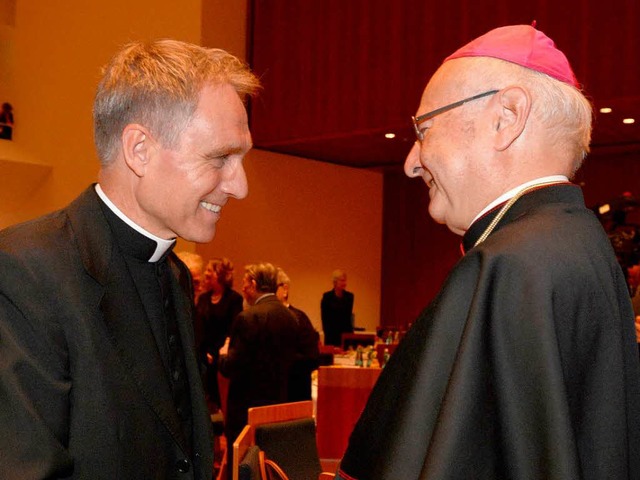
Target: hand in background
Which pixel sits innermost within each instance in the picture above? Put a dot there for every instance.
(225, 348)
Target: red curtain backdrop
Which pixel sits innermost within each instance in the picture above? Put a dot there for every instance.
(336, 71)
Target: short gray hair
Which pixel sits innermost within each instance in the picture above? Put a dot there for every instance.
(562, 109)
(265, 276)
(158, 84)
(337, 274)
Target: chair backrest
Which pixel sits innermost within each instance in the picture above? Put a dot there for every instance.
(292, 445)
(279, 412)
(287, 435)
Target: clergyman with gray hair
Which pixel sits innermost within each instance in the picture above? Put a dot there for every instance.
(525, 364)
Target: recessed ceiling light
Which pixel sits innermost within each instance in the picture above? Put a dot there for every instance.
(629, 121)
(604, 209)
(389, 135)
(605, 110)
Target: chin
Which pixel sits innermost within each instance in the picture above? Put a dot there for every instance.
(437, 216)
(199, 236)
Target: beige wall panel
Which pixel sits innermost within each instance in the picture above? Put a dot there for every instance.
(309, 218)
(59, 48)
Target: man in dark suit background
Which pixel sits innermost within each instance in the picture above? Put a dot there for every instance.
(336, 309)
(99, 378)
(261, 350)
(308, 353)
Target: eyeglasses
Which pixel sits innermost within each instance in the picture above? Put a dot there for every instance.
(428, 116)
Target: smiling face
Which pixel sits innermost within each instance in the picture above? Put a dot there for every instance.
(183, 189)
(450, 158)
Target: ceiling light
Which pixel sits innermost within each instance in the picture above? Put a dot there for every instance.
(389, 135)
(629, 121)
(605, 110)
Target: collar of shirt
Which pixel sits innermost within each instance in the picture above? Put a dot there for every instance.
(162, 245)
(506, 196)
(264, 296)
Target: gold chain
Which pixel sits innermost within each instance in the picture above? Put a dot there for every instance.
(506, 208)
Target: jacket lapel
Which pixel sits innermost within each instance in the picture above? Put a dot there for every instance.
(122, 309)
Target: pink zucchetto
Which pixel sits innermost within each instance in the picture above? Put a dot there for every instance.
(523, 45)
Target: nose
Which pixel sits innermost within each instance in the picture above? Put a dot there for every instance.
(412, 166)
(235, 183)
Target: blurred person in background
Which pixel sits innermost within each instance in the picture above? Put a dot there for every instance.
(215, 311)
(261, 350)
(308, 353)
(195, 264)
(336, 309)
(6, 121)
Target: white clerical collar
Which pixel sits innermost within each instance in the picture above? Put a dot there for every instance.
(162, 245)
(511, 193)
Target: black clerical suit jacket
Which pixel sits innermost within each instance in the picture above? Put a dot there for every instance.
(262, 348)
(83, 390)
(524, 367)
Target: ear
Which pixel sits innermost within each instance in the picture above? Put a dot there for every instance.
(514, 105)
(137, 146)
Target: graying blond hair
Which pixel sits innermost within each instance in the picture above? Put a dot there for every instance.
(337, 274)
(158, 85)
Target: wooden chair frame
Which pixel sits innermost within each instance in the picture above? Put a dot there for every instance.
(269, 414)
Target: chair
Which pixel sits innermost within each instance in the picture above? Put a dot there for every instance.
(287, 434)
(243, 456)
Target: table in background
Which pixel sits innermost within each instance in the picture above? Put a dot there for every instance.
(342, 394)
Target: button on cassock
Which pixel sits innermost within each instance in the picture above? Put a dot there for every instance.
(182, 465)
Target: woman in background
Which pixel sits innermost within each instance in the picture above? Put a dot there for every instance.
(215, 310)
